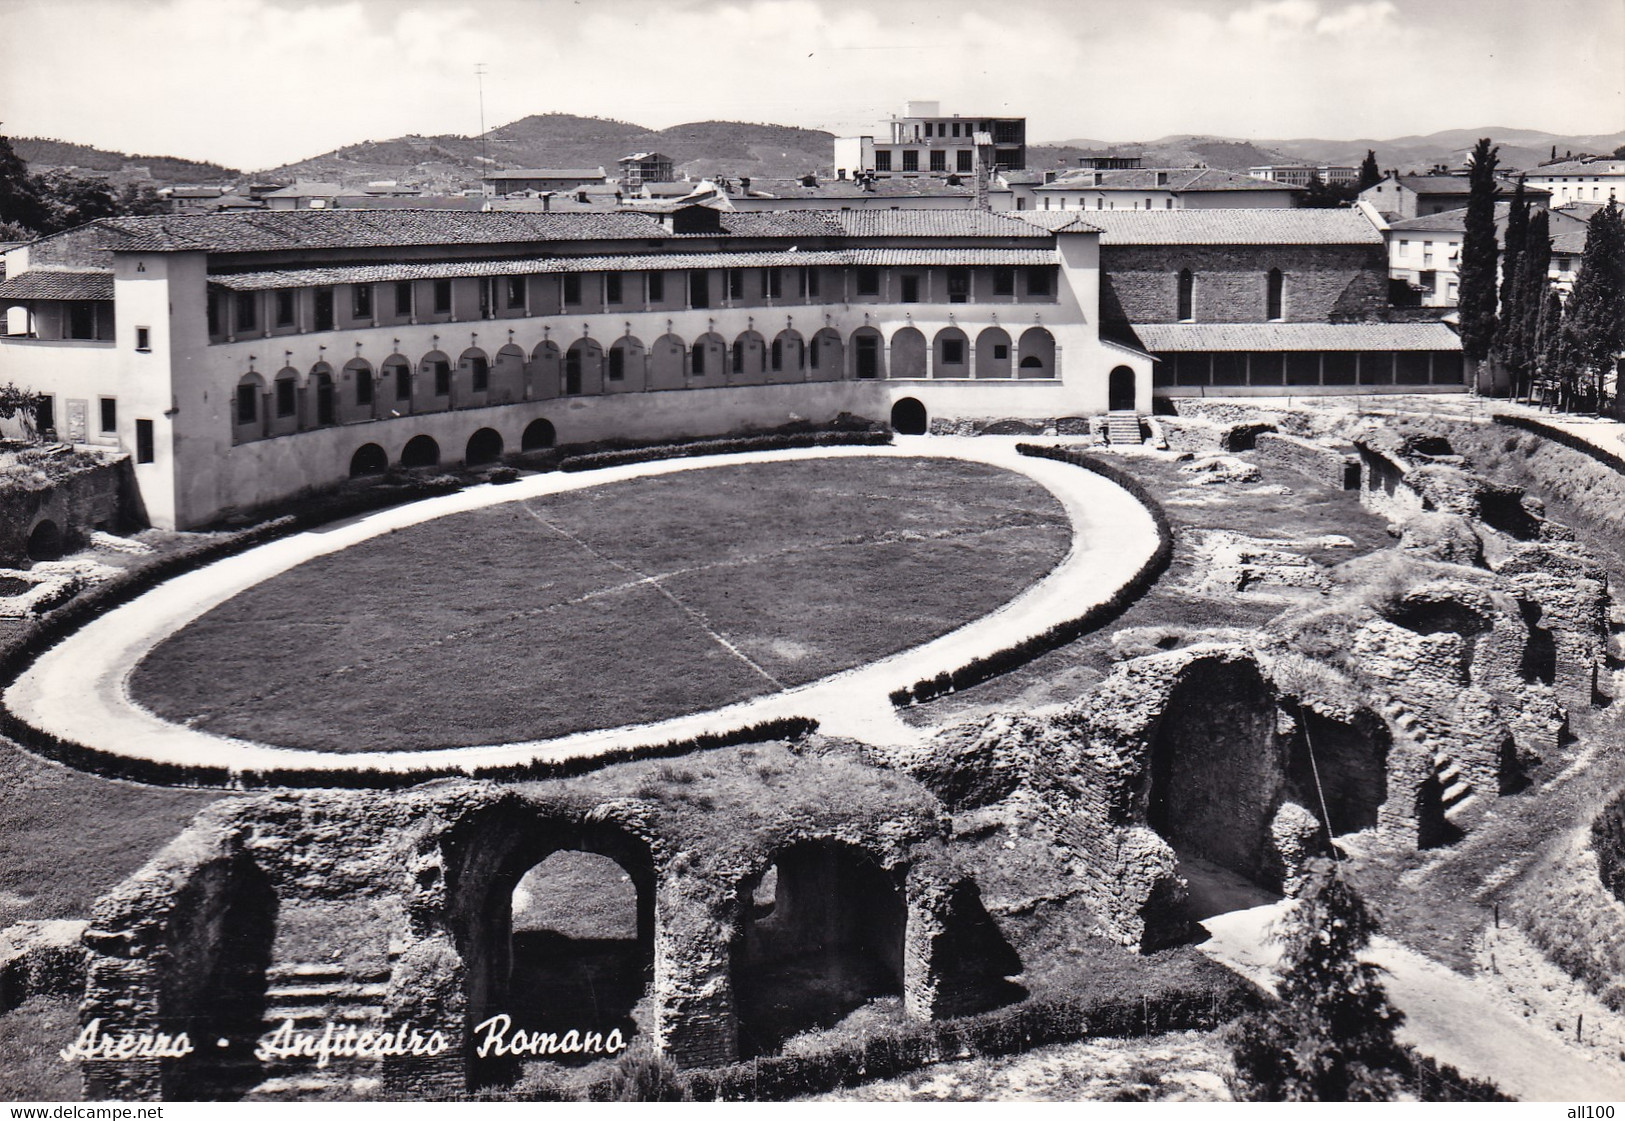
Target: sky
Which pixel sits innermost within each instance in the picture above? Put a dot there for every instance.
(257, 83)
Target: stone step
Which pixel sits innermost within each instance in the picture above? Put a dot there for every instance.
(1456, 795)
(332, 992)
(1447, 775)
(304, 1016)
(1454, 810)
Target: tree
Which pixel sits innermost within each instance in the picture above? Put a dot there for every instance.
(1512, 249)
(72, 200)
(1331, 1036)
(1533, 284)
(19, 197)
(1324, 196)
(136, 201)
(1594, 318)
(1551, 365)
(1478, 253)
(1370, 173)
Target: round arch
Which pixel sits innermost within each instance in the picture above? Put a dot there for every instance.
(1120, 390)
(507, 376)
(546, 370)
(908, 417)
(868, 354)
(248, 409)
(474, 372)
(749, 358)
(583, 368)
(538, 434)
(395, 384)
(484, 446)
(707, 358)
(369, 459)
(285, 401)
(993, 353)
(1035, 357)
(357, 399)
(626, 366)
(787, 356)
(950, 354)
(421, 451)
(826, 357)
(667, 362)
(907, 354)
(435, 386)
(325, 411)
(45, 541)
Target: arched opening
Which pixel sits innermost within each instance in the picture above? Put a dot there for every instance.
(395, 382)
(359, 399)
(1120, 390)
(820, 934)
(624, 368)
(826, 357)
(908, 417)
(485, 446)
(1345, 763)
(907, 354)
(420, 451)
(1036, 354)
(1185, 299)
(321, 377)
(474, 366)
(706, 358)
(369, 459)
(1215, 768)
(246, 409)
(787, 357)
(538, 434)
(45, 542)
(749, 359)
(867, 361)
(668, 362)
(285, 401)
(583, 368)
(1275, 288)
(507, 376)
(993, 353)
(546, 364)
(435, 389)
(951, 354)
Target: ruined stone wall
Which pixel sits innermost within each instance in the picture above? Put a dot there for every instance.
(94, 498)
(1338, 468)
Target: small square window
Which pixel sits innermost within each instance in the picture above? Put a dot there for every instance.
(953, 352)
(1001, 352)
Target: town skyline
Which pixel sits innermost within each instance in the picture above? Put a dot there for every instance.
(354, 70)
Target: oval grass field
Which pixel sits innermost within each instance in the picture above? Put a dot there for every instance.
(614, 605)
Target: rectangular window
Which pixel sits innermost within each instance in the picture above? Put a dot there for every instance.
(143, 338)
(144, 445)
(939, 159)
(284, 397)
(868, 282)
(516, 292)
(699, 289)
(882, 161)
(361, 301)
(812, 353)
(572, 288)
(696, 360)
(953, 352)
(1038, 280)
(363, 387)
(911, 159)
(248, 304)
(657, 287)
(775, 355)
(442, 377)
(403, 297)
(965, 158)
(479, 373)
(109, 416)
(774, 284)
(248, 404)
(612, 287)
(284, 307)
(911, 290)
(617, 363)
(403, 383)
(442, 297)
(1004, 282)
(324, 309)
(736, 284)
(1001, 352)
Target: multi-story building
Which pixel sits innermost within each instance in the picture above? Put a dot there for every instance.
(245, 358)
(646, 167)
(1592, 179)
(1300, 175)
(1417, 196)
(1262, 303)
(536, 180)
(925, 142)
(1149, 188)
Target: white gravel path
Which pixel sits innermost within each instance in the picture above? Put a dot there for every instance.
(79, 690)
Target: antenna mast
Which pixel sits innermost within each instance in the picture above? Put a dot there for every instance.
(485, 145)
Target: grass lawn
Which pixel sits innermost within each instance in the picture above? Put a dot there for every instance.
(608, 606)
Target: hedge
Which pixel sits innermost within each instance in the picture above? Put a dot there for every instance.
(724, 446)
(1065, 631)
(1560, 436)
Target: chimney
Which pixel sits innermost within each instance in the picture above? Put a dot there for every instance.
(744, 184)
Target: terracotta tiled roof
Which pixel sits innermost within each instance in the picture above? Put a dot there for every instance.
(929, 223)
(1174, 179)
(628, 262)
(546, 173)
(1227, 226)
(55, 284)
(1163, 338)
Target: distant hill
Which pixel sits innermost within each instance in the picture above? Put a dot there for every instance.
(1169, 151)
(41, 154)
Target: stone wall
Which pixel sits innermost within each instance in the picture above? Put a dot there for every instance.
(98, 497)
(1139, 283)
(1335, 467)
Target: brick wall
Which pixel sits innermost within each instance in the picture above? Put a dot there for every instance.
(1140, 283)
(1337, 468)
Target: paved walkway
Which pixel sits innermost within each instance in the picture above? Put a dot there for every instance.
(79, 690)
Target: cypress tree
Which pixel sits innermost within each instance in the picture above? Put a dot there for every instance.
(1550, 364)
(1533, 284)
(1512, 247)
(1370, 173)
(1331, 1037)
(20, 203)
(1478, 253)
(1594, 318)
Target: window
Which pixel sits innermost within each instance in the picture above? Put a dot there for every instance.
(143, 338)
(911, 290)
(1272, 296)
(965, 158)
(773, 283)
(657, 287)
(699, 289)
(1038, 280)
(1184, 299)
(284, 397)
(572, 288)
(812, 353)
(479, 373)
(403, 297)
(617, 364)
(324, 309)
(612, 287)
(442, 297)
(939, 160)
(1001, 352)
(953, 352)
(739, 356)
(696, 360)
(736, 284)
(248, 304)
(868, 281)
(403, 382)
(361, 301)
(144, 442)
(776, 356)
(284, 307)
(248, 404)
(442, 377)
(109, 415)
(1004, 282)
(882, 161)
(911, 160)
(363, 387)
(958, 285)
(516, 292)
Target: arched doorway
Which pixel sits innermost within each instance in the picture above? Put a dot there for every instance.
(538, 434)
(420, 451)
(485, 446)
(908, 417)
(867, 361)
(820, 934)
(369, 459)
(1120, 390)
(45, 542)
(908, 349)
(1036, 354)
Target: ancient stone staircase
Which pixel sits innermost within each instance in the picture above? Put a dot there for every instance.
(312, 995)
(1123, 428)
(1457, 795)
